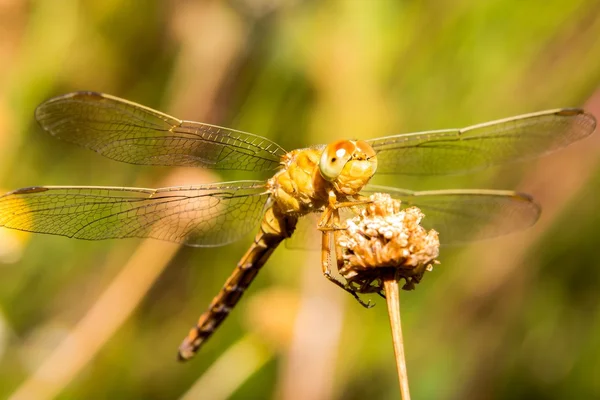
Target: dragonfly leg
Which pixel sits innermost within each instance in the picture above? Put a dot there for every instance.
(336, 235)
(353, 203)
(325, 265)
(325, 220)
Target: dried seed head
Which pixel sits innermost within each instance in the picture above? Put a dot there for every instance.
(384, 239)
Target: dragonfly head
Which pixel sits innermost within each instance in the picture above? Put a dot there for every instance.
(348, 165)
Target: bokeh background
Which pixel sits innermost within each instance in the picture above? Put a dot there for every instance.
(515, 317)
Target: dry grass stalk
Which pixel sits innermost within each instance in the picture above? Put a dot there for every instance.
(393, 302)
(381, 246)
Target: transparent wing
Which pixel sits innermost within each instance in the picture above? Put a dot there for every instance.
(132, 133)
(467, 215)
(205, 215)
(306, 236)
(480, 146)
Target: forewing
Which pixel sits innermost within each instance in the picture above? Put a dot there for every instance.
(462, 216)
(480, 146)
(204, 215)
(132, 133)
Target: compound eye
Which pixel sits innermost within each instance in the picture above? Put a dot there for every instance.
(334, 157)
(365, 148)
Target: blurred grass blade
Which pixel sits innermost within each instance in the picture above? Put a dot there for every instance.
(109, 312)
(229, 372)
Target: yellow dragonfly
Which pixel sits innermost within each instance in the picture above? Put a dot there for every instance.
(322, 178)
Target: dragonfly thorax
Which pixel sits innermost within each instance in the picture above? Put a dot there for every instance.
(308, 175)
(348, 165)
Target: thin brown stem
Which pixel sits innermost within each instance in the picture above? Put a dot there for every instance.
(393, 303)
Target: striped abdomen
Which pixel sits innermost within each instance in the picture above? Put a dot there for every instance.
(274, 228)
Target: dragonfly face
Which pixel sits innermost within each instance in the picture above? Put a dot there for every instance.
(348, 165)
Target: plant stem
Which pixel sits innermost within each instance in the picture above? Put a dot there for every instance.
(393, 303)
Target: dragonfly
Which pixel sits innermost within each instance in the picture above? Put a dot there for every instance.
(318, 180)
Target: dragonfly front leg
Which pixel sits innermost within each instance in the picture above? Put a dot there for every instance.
(327, 270)
(324, 226)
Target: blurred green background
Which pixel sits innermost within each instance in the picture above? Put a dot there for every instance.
(515, 317)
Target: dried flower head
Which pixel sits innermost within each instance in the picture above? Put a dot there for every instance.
(384, 240)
